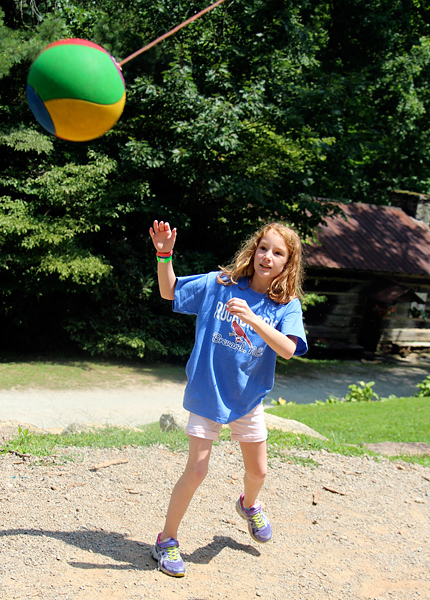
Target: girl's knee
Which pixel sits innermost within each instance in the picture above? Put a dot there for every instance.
(256, 472)
(255, 460)
(196, 473)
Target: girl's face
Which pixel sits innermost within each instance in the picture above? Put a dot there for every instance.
(270, 259)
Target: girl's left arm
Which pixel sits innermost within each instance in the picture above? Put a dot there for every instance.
(284, 345)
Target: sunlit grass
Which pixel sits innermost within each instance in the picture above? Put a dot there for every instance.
(393, 420)
(280, 444)
(31, 444)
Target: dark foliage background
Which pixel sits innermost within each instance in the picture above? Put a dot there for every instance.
(249, 114)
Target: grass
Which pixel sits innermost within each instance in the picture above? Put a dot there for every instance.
(30, 444)
(346, 425)
(312, 367)
(81, 373)
(393, 419)
(306, 367)
(50, 445)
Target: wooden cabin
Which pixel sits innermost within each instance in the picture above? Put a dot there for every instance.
(372, 264)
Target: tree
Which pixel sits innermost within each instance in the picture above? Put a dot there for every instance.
(371, 96)
(248, 114)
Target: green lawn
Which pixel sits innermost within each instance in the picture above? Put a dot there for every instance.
(394, 420)
(306, 366)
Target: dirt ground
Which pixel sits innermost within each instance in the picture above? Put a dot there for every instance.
(350, 528)
(346, 528)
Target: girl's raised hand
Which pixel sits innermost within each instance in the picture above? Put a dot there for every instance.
(162, 236)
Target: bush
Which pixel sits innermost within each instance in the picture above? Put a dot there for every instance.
(424, 387)
(364, 393)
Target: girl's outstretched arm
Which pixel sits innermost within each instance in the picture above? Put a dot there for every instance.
(164, 239)
(284, 345)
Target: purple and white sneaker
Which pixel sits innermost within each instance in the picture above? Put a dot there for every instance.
(168, 557)
(258, 525)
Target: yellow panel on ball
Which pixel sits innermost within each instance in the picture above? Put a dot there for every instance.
(80, 121)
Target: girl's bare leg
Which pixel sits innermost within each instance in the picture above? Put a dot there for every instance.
(255, 462)
(195, 472)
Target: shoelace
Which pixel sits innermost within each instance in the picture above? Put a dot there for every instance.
(258, 520)
(173, 553)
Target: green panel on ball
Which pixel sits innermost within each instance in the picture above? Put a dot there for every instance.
(76, 71)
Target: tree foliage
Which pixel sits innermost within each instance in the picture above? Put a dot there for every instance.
(249, 114)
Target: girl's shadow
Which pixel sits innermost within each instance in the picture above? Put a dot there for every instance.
(127, 554)
(204, 555)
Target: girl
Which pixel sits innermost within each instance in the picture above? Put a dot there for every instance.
(246, 314)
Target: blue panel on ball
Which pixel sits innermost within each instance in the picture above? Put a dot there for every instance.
(39, 110)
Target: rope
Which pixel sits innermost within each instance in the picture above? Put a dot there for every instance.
(171, 32)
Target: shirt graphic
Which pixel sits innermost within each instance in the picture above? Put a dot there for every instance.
(239, 333)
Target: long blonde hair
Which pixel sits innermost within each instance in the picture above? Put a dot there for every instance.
(288, 284)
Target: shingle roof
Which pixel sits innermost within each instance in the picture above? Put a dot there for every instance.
(372, 238)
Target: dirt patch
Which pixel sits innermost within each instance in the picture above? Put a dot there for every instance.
(399, 448)
(350, 528)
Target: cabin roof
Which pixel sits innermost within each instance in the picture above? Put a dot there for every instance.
(372, 238)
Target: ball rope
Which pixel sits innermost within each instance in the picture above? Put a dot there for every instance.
(171, 32)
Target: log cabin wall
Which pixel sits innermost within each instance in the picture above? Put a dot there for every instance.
(351, 321)
(337, 322)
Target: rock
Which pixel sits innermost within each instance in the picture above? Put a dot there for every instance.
(173, 419)
(54, 430)
(399, 448)
(75, 428)
(12, 427)
(274, 422)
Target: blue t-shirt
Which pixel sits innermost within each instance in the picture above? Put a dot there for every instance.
(231, 368)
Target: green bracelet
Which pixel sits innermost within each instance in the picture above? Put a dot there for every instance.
(164, 259)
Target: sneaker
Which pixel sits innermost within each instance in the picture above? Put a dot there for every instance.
(168, 557)
(258, 525)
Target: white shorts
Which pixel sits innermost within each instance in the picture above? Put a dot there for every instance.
(250, 428)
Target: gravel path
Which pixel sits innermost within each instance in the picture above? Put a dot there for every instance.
(352, 528)
(399, 378)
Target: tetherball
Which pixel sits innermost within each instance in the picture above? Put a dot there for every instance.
(76, 90)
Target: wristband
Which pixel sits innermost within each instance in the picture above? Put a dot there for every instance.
(164, 257)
